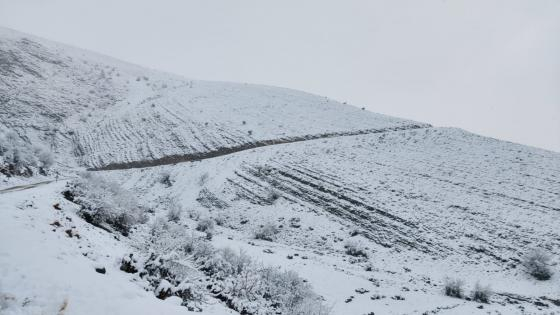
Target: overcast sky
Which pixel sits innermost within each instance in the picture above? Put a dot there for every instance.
(491, 67)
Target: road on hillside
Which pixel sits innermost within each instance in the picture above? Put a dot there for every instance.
(24, 187)
(29, 186)
(197, 156)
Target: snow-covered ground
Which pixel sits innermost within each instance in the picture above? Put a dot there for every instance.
(429, 204)
(422, 203)
(48, 261)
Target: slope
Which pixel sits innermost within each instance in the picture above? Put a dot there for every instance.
(98, 111)
(425, 204)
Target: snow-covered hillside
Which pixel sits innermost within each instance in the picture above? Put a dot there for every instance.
(103, 111)
(229, 198)
(428, 204)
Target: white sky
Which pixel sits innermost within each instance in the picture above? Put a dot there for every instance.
(488, 66)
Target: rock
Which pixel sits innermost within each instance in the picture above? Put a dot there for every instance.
(128, 264)
(377, 297)
(100, 270)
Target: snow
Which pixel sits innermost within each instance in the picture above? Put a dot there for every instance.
(425, 203)
(42, 269)
(430, 204)
(103, 111)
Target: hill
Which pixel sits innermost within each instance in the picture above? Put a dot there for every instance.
(171, 195)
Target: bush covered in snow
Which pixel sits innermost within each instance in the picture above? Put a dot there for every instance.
(167, 279)
(454, 287)
(537, 263)
(19, 158)
(105, 204)
(246, 285)
(232, 276)
(267, 232)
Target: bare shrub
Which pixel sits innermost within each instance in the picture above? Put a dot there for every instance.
(267, 232)
(174, 211)
(272, 195)
(205, 225)
(220, 219)
(165, 179)
(355, 249)
(537, 264)
(454, 287)
(481, 293)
